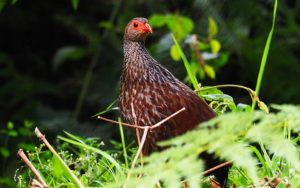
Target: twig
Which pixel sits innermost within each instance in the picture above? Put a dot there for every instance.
(210, 170)
(32, 168)
(216, 167)
(137, 133)
(146, 129)
(167, 118)
(139, 150)
(140, 127)
(115, 122)
(36, 184)
(43, 138)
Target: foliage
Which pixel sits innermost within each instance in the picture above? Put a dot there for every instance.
(60, 62)
(232, 139)
(202, 62)
(265, 55)
(21, 136)
(83, 156)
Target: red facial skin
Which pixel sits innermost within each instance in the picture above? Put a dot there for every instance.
(141, 27)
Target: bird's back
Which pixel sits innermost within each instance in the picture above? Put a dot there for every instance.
(156, 94)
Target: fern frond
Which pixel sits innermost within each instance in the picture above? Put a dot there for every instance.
(229, 137)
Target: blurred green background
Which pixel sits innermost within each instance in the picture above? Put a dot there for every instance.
(60, 61)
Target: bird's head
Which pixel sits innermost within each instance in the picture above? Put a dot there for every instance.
(137, 29)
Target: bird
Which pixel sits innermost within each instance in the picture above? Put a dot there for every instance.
(155, 93)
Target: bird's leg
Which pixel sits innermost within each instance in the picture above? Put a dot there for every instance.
(137, 133)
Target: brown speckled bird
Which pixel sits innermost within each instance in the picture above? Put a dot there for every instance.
(156, 94)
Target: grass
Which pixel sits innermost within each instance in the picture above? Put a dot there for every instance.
(265, 55)
(98, 168)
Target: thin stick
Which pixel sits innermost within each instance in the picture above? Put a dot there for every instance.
(210, 170)
(43, 138)
(36, 184)
(115, 122)
(140, 127)
(216, 167)
(32, 168)
(166, 119)
(137, 133)
(139, 150)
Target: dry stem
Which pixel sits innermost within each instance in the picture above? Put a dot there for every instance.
(211, 169)
(137, 133)
(43, 138)
(139, 150)
(141, 127)
(32, 168)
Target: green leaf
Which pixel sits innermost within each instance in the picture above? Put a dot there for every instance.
(175, 54)
(26, 146)
(75, 4)
(109, 108)
(2, 4)
(67, 53)
(210, 71)
(58, 168)
(96, 150)
(215, 46)
(186, 64)
(28, 124)
(25, 132)
(4, 152)
(14, 2)
(7, 181)
(179, 25)
(261, 159)
(209, 91)
(74, 137)
(243, 108)
(281, 185)
(12, 133)
(123, 143)
(106, 24)
(157, 20)
(212, 28)
(10, 125)
(265, 55)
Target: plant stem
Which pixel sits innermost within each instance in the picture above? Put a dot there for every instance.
(43, 138)
(123, 143)
(265, 55)
(32, 168)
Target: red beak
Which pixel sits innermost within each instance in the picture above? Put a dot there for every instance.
(147, 28)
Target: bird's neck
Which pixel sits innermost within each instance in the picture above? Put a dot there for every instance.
(137, 61)
(135, 51)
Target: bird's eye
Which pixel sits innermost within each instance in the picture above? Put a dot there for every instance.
(135, 24)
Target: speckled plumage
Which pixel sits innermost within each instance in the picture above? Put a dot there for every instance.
(156, 94)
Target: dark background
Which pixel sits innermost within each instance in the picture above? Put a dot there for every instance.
(37, 84)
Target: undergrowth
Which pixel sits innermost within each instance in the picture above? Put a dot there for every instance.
(275, 155)
(264, 148)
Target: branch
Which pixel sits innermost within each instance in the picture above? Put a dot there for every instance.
(32, 168)
(43, 138)
(144, 127)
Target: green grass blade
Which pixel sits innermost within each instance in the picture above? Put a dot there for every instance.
(123, 143)
(265, 55)
(261, 159)
(96, 150)
(109, 108)
(186, 64)
(77, 138)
